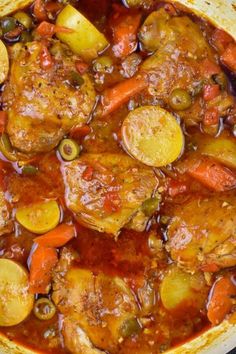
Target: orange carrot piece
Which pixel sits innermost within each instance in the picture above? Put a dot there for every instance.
(211, 116)
(125, 28)
(229, 57)
(3, 121)
(210, 267)
(210, 92)
(221, 39)
(212, 174)
(116, 96)
(47, 29)
(220, 302)
(43, 261)
(39, 10)
(57, 237)
(80, 132)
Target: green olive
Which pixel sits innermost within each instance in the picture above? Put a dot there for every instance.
(29, 170)
(8, 24)
(25, 37)
(76, 79)
(69, 149)
(130, 327)
(24, 19)
(150, 206)
(44, 309)
(103, 65)
(180, 99)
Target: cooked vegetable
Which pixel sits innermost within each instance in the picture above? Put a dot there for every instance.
(43, 260)
(222, 149)
(103, 64)
(69, 149)
(114, 97)
(29, 170)
(15, 302)
(150, 206)
(212, 174)
(4, 62)
(229, 57)
(24, 19)
(180, 99)
(181, 289)
(7, 24)
(47, 29)
(211, 117)
(76, 80)
(40, 10)
(152, 136)
(210, 92)
(57, 237)
(44, 309)
(130, 327)
(7, 7)
(39, 218)
(86, 40)
(221, 300)
(124, 29)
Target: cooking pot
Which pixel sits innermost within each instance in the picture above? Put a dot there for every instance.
(217, 340)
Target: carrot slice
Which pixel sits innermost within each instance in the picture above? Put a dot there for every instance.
(220, 302)
(43, 261)
(116, 96)
(229, 57)
(125, 28)
(212, 174)
(57, 237)
(210, 92)
(39, 10)
(47, 29)
(221, 39)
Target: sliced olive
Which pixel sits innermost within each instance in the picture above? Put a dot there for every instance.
(150, 206)
(8, 24)
(180, 99)
(69, 149)
(29, 170)
(130, 327)
(76, 79)
(24, 19)
(103, 65)
(44, 309)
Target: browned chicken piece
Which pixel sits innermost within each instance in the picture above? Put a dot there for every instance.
(181, 56)
(43, 104)
(106, 190)
(6, 224)
(96, 307)
(202, 233)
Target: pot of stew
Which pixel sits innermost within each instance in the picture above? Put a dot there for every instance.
(117, 176)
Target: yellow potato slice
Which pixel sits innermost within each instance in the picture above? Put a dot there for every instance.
(39, 218)
(9, 6)
(4, 62)
(86, 40)
(16, 302)
(180, 288)
(152, 136)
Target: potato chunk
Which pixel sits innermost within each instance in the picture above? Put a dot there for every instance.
(203, 231)
(106, 190)
(99, 304)
(43, 104)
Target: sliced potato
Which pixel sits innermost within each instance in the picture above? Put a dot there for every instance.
(85, 39)
(4, 62)
(180, 288)
(152, 136)
(7, 6)
(39, 218)
(222, 149)
(16, 302)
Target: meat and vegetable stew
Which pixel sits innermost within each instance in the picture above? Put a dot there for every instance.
(117, 178)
